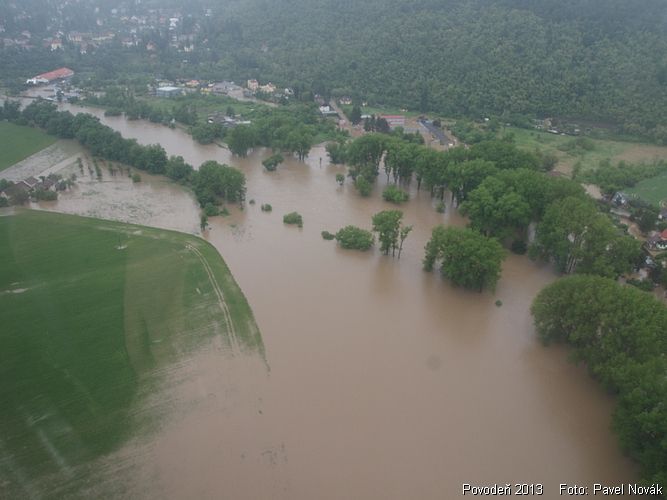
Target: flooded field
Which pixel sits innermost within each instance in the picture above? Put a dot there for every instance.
(381, 381)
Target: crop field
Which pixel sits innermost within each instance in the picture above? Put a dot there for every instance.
(18, 142)
(91, 311)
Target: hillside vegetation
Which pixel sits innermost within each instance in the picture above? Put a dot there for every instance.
(600, 59)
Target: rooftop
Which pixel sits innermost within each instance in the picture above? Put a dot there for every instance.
(56, 74)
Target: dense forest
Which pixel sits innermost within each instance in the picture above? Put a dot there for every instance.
(600, 60)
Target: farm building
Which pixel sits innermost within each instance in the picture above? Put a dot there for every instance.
(395, 120)
(51, 76)
(169, 92)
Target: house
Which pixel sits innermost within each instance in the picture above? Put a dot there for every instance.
(657, 241)
(345, 101)
(663, 214)
(169, 92)
(327, 111)
(222, 87)
(269, 88)
(27, 184)
(395, 120)
(46, 185)
(55, 44)
(253, 85)
(51, 76)
(620, 199)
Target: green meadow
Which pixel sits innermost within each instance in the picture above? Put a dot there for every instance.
(18, 142)
(568, 154)
(653, 190)
(90, 311)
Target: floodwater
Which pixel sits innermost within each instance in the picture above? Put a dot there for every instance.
(383, 382)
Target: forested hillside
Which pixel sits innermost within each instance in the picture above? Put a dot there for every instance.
(593, 60)
(597, 59)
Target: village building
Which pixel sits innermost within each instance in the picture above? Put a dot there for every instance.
(223, 87)
(253, 85)
(620, 199)
(51, 76)
(269, 88)
(169, 92)
(395, 120)
(657, 241)
(326, 110)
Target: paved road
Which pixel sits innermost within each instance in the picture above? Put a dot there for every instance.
(435, 132)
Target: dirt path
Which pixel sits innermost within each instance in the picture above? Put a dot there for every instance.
(221, 299)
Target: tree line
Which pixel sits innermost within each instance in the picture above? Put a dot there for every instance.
(620, 334)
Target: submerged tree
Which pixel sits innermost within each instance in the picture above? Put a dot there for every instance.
(468, 258)
(388, 226)
(355, 238)
(580, 238)
(272, 162)
(405, 231)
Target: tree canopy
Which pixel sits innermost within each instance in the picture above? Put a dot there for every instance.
(620, 333)
(580, 238)
(468, 258)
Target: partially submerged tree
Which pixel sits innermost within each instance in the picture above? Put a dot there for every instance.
(355, 238)
(468, 258)
(272, 162)
(581, 239)
(388, 226)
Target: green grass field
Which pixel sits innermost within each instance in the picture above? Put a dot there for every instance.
(92, 312)
(209, 104)
(631, 152)
(372, 110)
(653, 190)
(17, 143)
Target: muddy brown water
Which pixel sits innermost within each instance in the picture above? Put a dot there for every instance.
(383, 382)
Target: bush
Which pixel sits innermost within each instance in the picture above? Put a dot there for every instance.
(266, 207)
(293, 218)
(354, 238)
(519, 247)
(394, 194)
(645, 285)
(327, 235)
(211, 210)
(363, 186)
(136, 177)
(272, 162)
(43, 195)
(340, 179)
(441, 207)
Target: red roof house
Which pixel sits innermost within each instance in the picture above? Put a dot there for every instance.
(56, 74)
